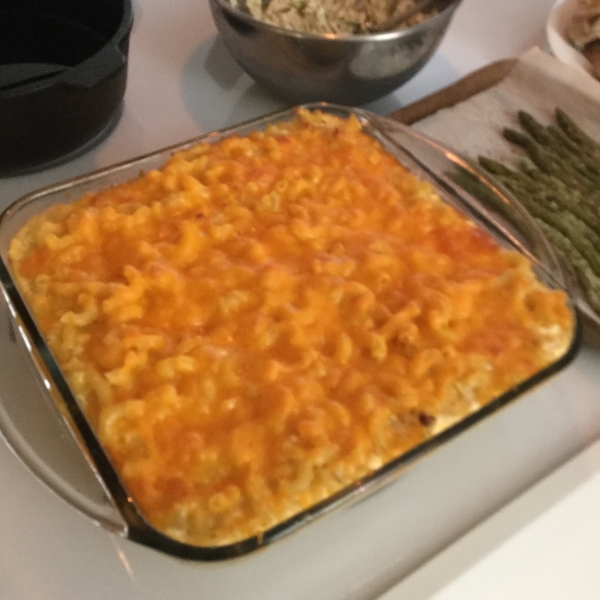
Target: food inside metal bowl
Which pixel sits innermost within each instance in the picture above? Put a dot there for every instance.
(332, 16)
(344, 68)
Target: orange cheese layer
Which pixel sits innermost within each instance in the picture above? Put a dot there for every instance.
(269, 318)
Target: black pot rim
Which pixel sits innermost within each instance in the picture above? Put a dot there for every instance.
(53, 118)
(71, 73)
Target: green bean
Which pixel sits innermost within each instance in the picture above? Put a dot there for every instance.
(589, 155)
(575, 132)
(557, 179)
(561, 152)
(547, 160)
(534, 128)
(490, 199)
(493, 166)
(567, 223)
(587, 278)
(550, 191)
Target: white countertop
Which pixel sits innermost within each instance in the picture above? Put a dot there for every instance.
(544, 544)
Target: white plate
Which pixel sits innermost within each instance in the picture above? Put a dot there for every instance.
(558, 20)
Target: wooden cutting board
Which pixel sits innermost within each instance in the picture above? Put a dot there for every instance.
(468, 86)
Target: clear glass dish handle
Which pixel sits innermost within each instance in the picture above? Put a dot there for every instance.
(37, 434)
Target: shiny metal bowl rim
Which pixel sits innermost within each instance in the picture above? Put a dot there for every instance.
(355, 38)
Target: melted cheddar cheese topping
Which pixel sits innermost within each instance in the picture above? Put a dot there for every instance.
(269, 318)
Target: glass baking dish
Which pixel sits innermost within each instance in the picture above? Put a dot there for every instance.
(457, 182)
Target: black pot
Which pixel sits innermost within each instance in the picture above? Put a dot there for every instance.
(63, 70)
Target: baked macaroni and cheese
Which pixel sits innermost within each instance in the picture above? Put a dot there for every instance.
(267, 319)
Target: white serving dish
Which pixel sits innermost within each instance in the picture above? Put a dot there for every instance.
(558, 20)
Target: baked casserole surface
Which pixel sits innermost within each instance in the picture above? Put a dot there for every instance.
(269, 318)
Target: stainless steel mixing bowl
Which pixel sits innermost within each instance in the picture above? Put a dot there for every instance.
(346, 69)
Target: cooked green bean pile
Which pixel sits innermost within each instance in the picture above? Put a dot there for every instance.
(557, 179)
